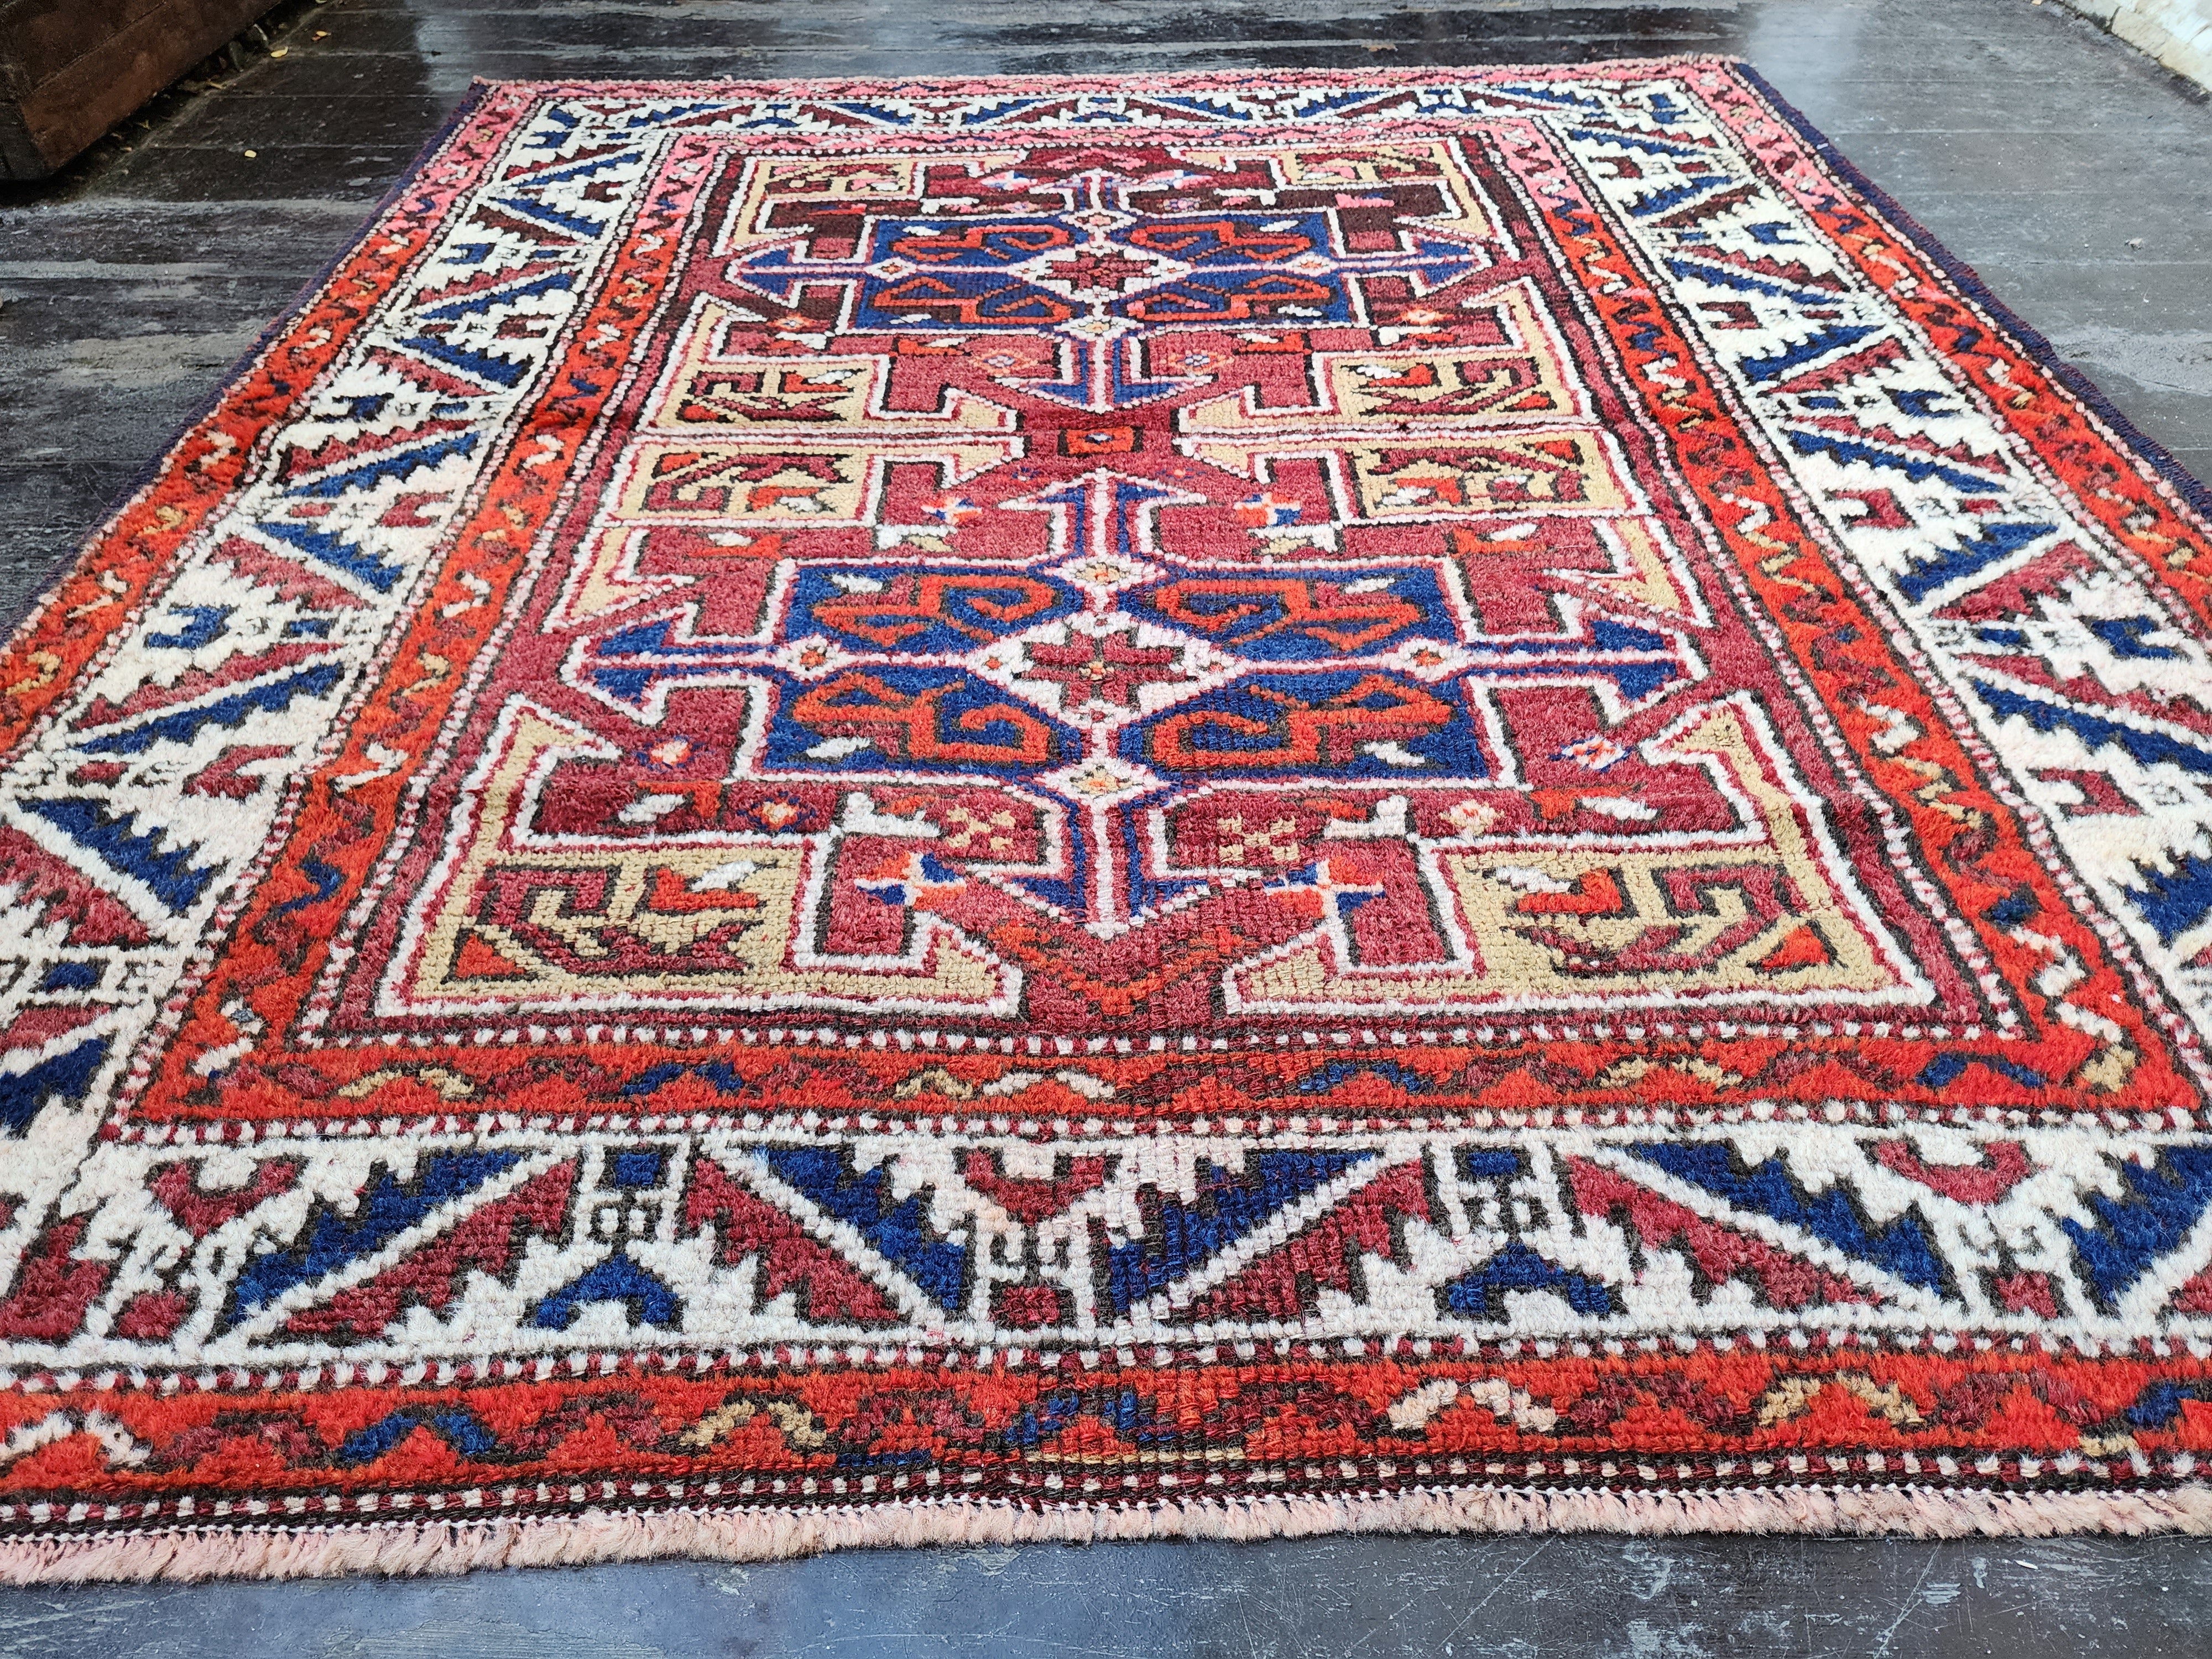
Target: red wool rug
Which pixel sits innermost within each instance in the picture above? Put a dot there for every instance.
(840, 813)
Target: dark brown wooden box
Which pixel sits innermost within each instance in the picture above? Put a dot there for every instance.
(69, 69)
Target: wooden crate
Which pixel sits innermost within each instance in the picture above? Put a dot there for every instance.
(69, 69)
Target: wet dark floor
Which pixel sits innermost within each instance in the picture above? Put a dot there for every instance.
(2074, 174)
(1509, 1598)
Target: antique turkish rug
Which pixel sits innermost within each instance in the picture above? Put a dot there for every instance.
(838, 813)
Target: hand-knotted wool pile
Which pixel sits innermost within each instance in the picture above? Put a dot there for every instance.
(850, 813)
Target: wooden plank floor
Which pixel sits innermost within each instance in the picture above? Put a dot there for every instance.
(2076, 174)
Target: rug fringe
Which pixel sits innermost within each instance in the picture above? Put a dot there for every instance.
(448, 1547)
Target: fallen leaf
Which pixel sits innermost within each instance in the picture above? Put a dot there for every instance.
(279, 51)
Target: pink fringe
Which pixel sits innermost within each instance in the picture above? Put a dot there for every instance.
(460, 1546)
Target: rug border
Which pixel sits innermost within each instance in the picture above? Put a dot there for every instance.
(188, 1554)
(2196, 494)
(89, 548)
(440, 1548)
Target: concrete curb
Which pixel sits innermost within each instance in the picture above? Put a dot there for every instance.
(2177, 33)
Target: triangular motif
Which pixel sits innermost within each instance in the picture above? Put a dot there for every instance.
(487, 1240)
(825, 1289)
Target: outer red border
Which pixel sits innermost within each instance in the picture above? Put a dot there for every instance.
(160, 509)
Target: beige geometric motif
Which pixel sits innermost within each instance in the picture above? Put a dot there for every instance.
(1768, 914)
(967, 832)
(790, 185)
(755, 439)
(1522, 378)
(1468, 213)
(1277, 844)
(1504, 472)
(705, 388)
(514, 922)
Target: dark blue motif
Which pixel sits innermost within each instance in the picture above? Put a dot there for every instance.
(1481, 1294)
(68, 1074)
(2125, 637)
(1913, 466)
(2174, 901)
(899, 1233)
(637, 1168)
(270, 697)
(459, 1428)
(617, 1279)
(202, 623)
(1180, 1237)
(718, 1073)
(531, 208)
(961, 273)
(171, 875)
(1900, 1248)
(1490, 1163)
(485, 365)
(1742, 281)
(2157, 1210)
(326, 547)
(326, 877)
(386, 1210)
(2147, 748)
(2160, 1402)
(400, 464)
(1946, 1069)
(1996, 541)
(1327, 1079)
(1835, 337)
(1128, 1414)
(558, 281)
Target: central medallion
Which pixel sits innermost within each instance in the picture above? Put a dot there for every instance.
(1143, 586)
(1094, 274)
